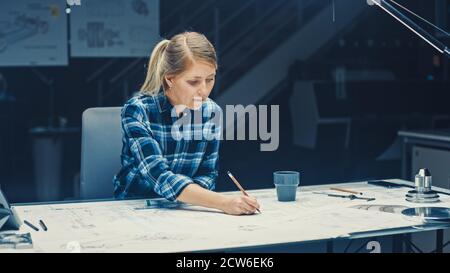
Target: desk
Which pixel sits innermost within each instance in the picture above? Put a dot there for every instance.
(127, 226)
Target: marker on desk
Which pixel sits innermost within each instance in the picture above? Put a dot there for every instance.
(30, 225)
(44, 227)
(239, 186)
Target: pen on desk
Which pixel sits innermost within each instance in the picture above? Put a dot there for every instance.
(239, 186)
(44, 227)
(344, 190)
(30, 225)
(351, 197)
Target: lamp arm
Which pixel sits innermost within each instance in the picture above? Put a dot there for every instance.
(408, 23)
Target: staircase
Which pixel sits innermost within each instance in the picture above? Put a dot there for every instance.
(309, 39)
(256, 42)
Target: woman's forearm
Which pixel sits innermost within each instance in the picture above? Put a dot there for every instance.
(196, 195)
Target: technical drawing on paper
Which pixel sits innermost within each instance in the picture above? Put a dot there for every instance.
(115, 28)
(33, 32)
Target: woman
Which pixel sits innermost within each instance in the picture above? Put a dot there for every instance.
(180, 77)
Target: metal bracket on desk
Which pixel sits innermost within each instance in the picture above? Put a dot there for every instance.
(401, 240)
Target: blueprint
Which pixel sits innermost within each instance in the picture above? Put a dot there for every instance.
(33, 32)
(114, 28)
(131, 226)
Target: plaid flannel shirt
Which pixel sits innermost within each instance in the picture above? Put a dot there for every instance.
(154, 161)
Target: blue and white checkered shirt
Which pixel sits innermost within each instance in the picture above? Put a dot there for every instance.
(154, 161)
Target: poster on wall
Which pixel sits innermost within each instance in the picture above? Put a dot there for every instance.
(33, 33)
(114, 28)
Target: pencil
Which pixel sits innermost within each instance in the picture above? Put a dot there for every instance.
(43, 225)
(344, 190)
(30, 225)
(239, 186)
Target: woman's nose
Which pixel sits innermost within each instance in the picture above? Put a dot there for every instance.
(202, 92)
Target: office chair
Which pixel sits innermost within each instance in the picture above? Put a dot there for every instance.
(101, 146)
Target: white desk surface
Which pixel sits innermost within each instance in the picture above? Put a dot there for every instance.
(127, 226)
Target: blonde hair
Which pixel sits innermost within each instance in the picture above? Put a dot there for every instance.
(171, 57)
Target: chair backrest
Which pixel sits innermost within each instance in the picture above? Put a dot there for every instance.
(101, 146)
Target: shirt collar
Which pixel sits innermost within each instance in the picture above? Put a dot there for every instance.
(162, 102)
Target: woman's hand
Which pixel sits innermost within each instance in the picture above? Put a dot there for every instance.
(238, 205)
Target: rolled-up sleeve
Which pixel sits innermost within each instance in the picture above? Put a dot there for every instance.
(149, 159)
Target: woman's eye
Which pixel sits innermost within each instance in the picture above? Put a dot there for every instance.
(193, 83)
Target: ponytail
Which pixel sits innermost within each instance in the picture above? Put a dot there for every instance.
(155, 73)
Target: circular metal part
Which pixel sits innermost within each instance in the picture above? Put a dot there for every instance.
(429, 214)
(422, 197)
(419, 181)
(423, 192)
(427, 181)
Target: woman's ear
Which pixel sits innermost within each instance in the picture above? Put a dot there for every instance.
(169, 81)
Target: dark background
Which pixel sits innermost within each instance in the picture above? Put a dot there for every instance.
(372, 42)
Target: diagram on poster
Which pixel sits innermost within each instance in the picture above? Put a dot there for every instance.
(114, 28)
(33, 32)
